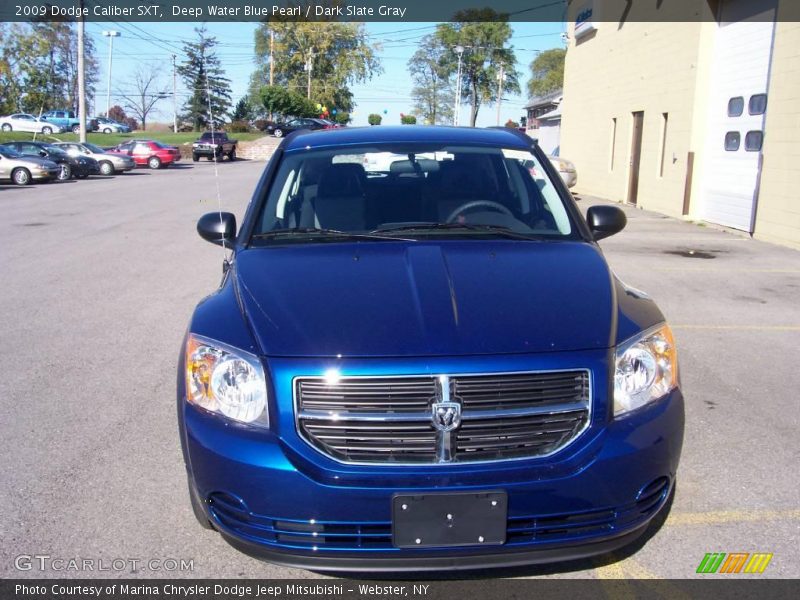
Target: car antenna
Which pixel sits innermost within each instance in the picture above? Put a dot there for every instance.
(225, 260)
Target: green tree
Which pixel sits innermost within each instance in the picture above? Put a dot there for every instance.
(279, 100)
(484, 35)
(374, 119)
(243, 111)
(339, 54)
(547, 72)
(341, 117)
(432, 76)
(38, 67)
(209, 89)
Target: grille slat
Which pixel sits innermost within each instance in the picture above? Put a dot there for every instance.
(389, 419)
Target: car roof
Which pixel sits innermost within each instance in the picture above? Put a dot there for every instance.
(381, 134)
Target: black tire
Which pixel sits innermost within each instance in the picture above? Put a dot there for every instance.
(154, 162)
(195, 157)
(6, 127)
(197, 508)
(278, 133)
(212, 157)
(47, 130)
(232, 155)
(108, 130)
(106, 168)
(76, 129)
(65, 174)
(21, 176)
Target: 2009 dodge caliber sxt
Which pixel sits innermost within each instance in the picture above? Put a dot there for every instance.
(419, 359)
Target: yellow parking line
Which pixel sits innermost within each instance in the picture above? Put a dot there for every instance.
(741, 327)
(731, 516)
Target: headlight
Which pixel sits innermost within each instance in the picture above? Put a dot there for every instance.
(646, 368)
(225, 380)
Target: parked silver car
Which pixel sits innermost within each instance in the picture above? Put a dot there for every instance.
(565, 168)
(28, 123)
(105, 125)
(23, 170)
(109, 163)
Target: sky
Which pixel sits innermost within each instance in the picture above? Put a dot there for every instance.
(154, 44)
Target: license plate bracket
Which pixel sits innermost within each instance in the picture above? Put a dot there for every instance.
(449, 519)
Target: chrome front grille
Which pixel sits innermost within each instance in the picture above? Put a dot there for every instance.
(488, 417)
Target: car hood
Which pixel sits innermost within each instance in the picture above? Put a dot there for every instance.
(424, 299)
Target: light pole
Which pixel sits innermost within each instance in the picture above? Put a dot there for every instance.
(457, 109)
(501, 76)
(309, 66)
(110, 35)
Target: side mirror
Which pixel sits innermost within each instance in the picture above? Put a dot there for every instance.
(42, 153)
(605, 221)
(218, 228)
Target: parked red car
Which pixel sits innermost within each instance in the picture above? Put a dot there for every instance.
(149, 152)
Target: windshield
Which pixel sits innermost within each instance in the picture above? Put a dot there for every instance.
(94, 149)
(411, 191)
(55, 150)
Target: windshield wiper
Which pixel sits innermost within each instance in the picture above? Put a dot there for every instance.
(329, 233)
(490, 229)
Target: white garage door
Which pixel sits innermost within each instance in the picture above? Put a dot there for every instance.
(738, 100)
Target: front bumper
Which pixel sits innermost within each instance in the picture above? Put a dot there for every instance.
(273, 496)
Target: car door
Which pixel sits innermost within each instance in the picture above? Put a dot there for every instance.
(25, 123)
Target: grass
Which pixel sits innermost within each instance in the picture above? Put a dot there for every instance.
(112, 139)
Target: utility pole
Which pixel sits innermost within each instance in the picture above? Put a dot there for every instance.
(81, 76)
(271, 57)
(174, 97)
(110, 35)
(309, 66)
(457, 108)
(500, 78)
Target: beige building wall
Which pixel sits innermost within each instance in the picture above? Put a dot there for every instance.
(778, 210)
(614, 72)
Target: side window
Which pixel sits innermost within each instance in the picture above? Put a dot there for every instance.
(732, 141)
(757, 104)
(736, 106)
(142, 148)
(753, 141)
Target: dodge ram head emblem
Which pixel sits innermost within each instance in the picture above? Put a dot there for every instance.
(446, 415)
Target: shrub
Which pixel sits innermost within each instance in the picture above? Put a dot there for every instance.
(374, 119)
(238, 127)
(512, 124)
(408, 120)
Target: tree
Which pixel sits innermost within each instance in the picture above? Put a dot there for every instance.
(547, 72)
(116, 113)
(341, 117)
(484, 34)
(433, 82)
(279, 100)
(209, 89)
(144, 93)
(374, 119)
(243, 111)
(339, 53)
(38, 67)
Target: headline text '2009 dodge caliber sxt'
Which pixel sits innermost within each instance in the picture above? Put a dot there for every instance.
(424, 362)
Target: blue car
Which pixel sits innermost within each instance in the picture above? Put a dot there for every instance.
(424, 365)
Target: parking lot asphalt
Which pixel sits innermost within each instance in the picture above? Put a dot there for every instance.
(99, 278)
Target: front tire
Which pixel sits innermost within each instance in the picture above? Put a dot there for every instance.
(154, 162)
(21, 176)
(195, 158)
(65, 174)
(278, 133)
(106, 168)
(107, 130)
(76, 129)
(47, 130)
